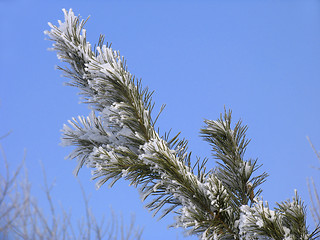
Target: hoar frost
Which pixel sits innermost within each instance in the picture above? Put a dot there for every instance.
(122, 138)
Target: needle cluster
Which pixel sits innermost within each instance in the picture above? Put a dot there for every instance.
(118, 140)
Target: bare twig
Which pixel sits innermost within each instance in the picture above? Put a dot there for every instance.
(21, 216)
(313, 192)
(315, 206)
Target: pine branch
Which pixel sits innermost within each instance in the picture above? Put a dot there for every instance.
(229, 146)
(121, 142)
(288, 221)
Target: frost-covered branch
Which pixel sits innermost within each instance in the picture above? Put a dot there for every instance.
(287, 221)
(118, 140)
(122, 141)
(229, 146)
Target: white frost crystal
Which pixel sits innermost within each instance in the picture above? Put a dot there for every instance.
(121, 142)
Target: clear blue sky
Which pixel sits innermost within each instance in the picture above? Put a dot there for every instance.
(259, 58)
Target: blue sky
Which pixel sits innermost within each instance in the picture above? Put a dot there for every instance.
(259, 58)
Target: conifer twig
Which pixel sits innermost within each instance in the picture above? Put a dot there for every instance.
(118, 140)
